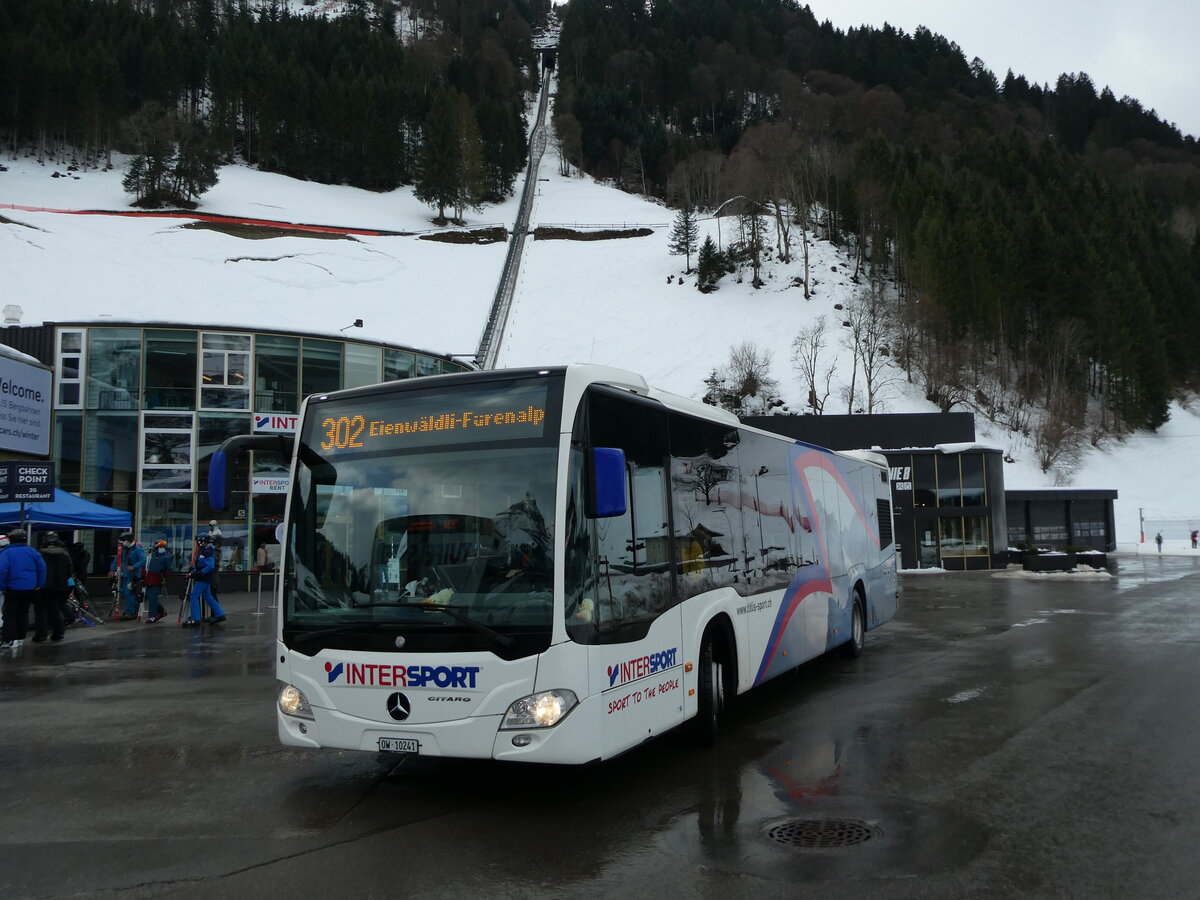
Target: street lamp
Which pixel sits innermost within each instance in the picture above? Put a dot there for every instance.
(357, 323)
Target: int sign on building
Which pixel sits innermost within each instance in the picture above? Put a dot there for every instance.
(24, 407)
(270, 423)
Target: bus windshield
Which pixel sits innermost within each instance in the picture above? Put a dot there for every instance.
(434, 540)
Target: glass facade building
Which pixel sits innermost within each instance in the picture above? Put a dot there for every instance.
(139, 409)
(948, 508)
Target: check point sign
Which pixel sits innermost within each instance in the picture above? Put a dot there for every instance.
(26, 482)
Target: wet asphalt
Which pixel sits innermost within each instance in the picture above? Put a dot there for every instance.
(1005, 736)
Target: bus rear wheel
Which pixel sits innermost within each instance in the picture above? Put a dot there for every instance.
(710, 694)
(858, 630)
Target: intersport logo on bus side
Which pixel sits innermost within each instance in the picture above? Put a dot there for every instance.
(641, 666)
(376, 675)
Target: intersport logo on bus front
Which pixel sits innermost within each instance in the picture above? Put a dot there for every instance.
(377, 675)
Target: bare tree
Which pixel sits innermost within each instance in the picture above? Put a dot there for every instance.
(750, 370)
(763, 159)
(751, 227)
(941, 367)
(1057, 436)
(867, 315)
(906, 333)
(1055, 441)
(568, 136)
(744, 384)
(699, 178)
(872, 167)
(633, 169)
(1060, 357)
(828, 165)
(806, 354)
(797, 180)
(704, 477)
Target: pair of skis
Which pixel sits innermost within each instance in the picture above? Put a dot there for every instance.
(137, 587)
(185, 596)
(81, 606)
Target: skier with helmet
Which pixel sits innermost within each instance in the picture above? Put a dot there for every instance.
(132, 563)
(204, 570)
(158, 567)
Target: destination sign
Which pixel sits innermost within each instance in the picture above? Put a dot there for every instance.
(501, 411)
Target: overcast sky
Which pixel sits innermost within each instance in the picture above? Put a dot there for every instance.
(1149, 51)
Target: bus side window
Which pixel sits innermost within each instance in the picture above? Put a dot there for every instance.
(769, 513)
(633, 567)
(581, 593)
(705, 505)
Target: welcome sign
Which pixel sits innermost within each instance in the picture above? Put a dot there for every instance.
(25, 392)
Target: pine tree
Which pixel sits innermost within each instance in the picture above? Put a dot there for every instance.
(134, 181)
(437, 171)
(716, 391)
(195, 168)
(753, 241)
(177, 162)
(684, 234)
(710, 265)
(148, 175)
(472, 173)
(451, 171)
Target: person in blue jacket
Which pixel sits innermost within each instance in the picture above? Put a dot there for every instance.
(133, 564)
(22, 575)
(204, 570)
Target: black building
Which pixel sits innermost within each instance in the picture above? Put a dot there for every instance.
(1062, 518)
(866, 432)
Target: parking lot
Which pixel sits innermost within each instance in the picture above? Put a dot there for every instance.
(1006, 736)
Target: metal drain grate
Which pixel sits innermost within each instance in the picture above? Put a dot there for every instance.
(822, 834)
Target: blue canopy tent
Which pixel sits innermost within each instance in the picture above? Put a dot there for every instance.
(65, 511)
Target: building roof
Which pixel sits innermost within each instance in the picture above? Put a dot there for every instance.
(1061, 494)
(10, 353)
(283, 328)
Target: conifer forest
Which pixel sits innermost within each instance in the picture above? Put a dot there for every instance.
(1027, 244)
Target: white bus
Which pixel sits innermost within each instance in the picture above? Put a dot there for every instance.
(555, 565)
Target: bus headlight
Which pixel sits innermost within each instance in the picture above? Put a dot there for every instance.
(542, 710)
(292, 702)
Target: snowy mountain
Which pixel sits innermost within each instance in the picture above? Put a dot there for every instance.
(622, 301)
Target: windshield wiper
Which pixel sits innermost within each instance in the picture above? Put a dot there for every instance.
(504, 640)
(305, 637)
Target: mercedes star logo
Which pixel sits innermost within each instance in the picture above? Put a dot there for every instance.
(398, 707)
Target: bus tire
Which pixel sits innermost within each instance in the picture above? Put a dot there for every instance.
(853, 648)
(710, 694)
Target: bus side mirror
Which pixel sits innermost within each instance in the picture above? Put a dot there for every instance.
(220, 485)
(220, 467)
(608, 482)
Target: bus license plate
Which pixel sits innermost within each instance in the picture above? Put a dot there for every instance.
(400, 745)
